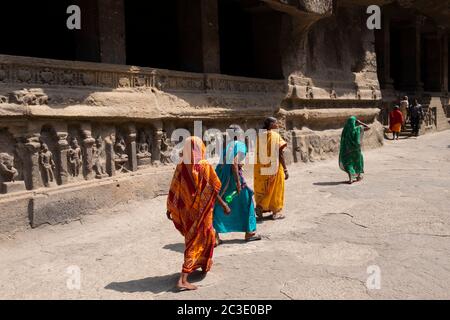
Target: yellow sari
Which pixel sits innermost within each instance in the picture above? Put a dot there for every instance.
(269, 188)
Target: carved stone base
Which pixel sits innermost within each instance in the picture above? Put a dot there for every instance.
(10, 187)
(142, 162)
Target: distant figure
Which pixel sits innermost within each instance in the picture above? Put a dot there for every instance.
(395, 122)
(269, 178)
(193, 192)
(416, 116)
(404, 106)
(236, 193)
(350, 156)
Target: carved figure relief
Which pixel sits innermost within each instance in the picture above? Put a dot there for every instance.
(166, 148)
(120, 155)
(144, 146)
(47, 165)
(99, 158)
(7, 171)
(74, 158)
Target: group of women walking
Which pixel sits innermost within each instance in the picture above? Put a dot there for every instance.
(204, 202)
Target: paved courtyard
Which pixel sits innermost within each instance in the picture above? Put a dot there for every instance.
(393, 228)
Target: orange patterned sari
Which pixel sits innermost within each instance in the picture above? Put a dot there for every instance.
(191, 200)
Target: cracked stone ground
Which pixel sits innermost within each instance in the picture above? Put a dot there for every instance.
(396, 219)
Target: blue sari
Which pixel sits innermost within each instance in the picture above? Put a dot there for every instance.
(242, 217)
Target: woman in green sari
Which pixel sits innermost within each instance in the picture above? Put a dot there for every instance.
(350, 156)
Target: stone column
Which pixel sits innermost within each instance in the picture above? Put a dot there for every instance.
(131, 148)
(433, 60)
(384, 40)
(28, 149)
(61, 158)
(210, 36)
(88, 142)
(444, 62)
(157, 137)
(411, 52)
(111, 19)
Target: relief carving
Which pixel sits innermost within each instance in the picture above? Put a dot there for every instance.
(144, 156)
(47, 165)
(75, 158)
(8, 175)
(99, 158)
(166, 148)
(29, 97)
(120, 154)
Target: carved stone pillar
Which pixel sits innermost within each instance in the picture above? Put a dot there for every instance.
(28, 149)
(383, 37)
(444, 63)
(88, 142)
(210, 36)
(410, 44)
(157, 137)
(61, 158)
(109, 151)
(111, 14)
(131, 148)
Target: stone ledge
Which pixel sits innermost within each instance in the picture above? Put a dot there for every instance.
(68, 203)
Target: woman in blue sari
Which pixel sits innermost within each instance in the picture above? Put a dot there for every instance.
(235, 191)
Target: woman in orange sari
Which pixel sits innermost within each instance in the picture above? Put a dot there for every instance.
(190, 204)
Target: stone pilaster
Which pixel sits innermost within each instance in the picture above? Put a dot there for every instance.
(61, 158)
(28, 149)
(131, 148)
(444, 63)
(384, 37)
(210, 36)
(111, 18)
(157, 137)
(88, 142)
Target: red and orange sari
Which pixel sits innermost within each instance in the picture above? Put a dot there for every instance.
(191, 200)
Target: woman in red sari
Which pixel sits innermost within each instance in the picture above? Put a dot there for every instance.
(193, 192)
(396, 121)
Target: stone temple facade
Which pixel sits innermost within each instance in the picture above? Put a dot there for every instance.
(86, 115)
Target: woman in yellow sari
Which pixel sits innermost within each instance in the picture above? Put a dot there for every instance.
(190, 204)
(269, 183)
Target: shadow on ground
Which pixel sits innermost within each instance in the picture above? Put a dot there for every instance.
(177, 247)
(331, 183)
(155, 285)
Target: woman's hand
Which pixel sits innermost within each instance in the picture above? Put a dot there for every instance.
(286, 174)
(169, 215)
(226, 209)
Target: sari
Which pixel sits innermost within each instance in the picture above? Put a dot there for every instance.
(191, 199)
(396, 120)
(242, 217)
(269, 188)
(350, 156)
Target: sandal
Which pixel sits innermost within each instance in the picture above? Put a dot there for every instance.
(276, 216)
(259, 213)
(218, 243)
(256, 237)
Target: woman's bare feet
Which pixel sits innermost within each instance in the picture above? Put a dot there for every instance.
(184, 284)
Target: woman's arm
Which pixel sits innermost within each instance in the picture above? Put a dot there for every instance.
(236, 174)
(226, 208)
(283, 164)
(366, 127)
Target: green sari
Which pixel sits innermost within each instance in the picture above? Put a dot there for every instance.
(350, 157)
